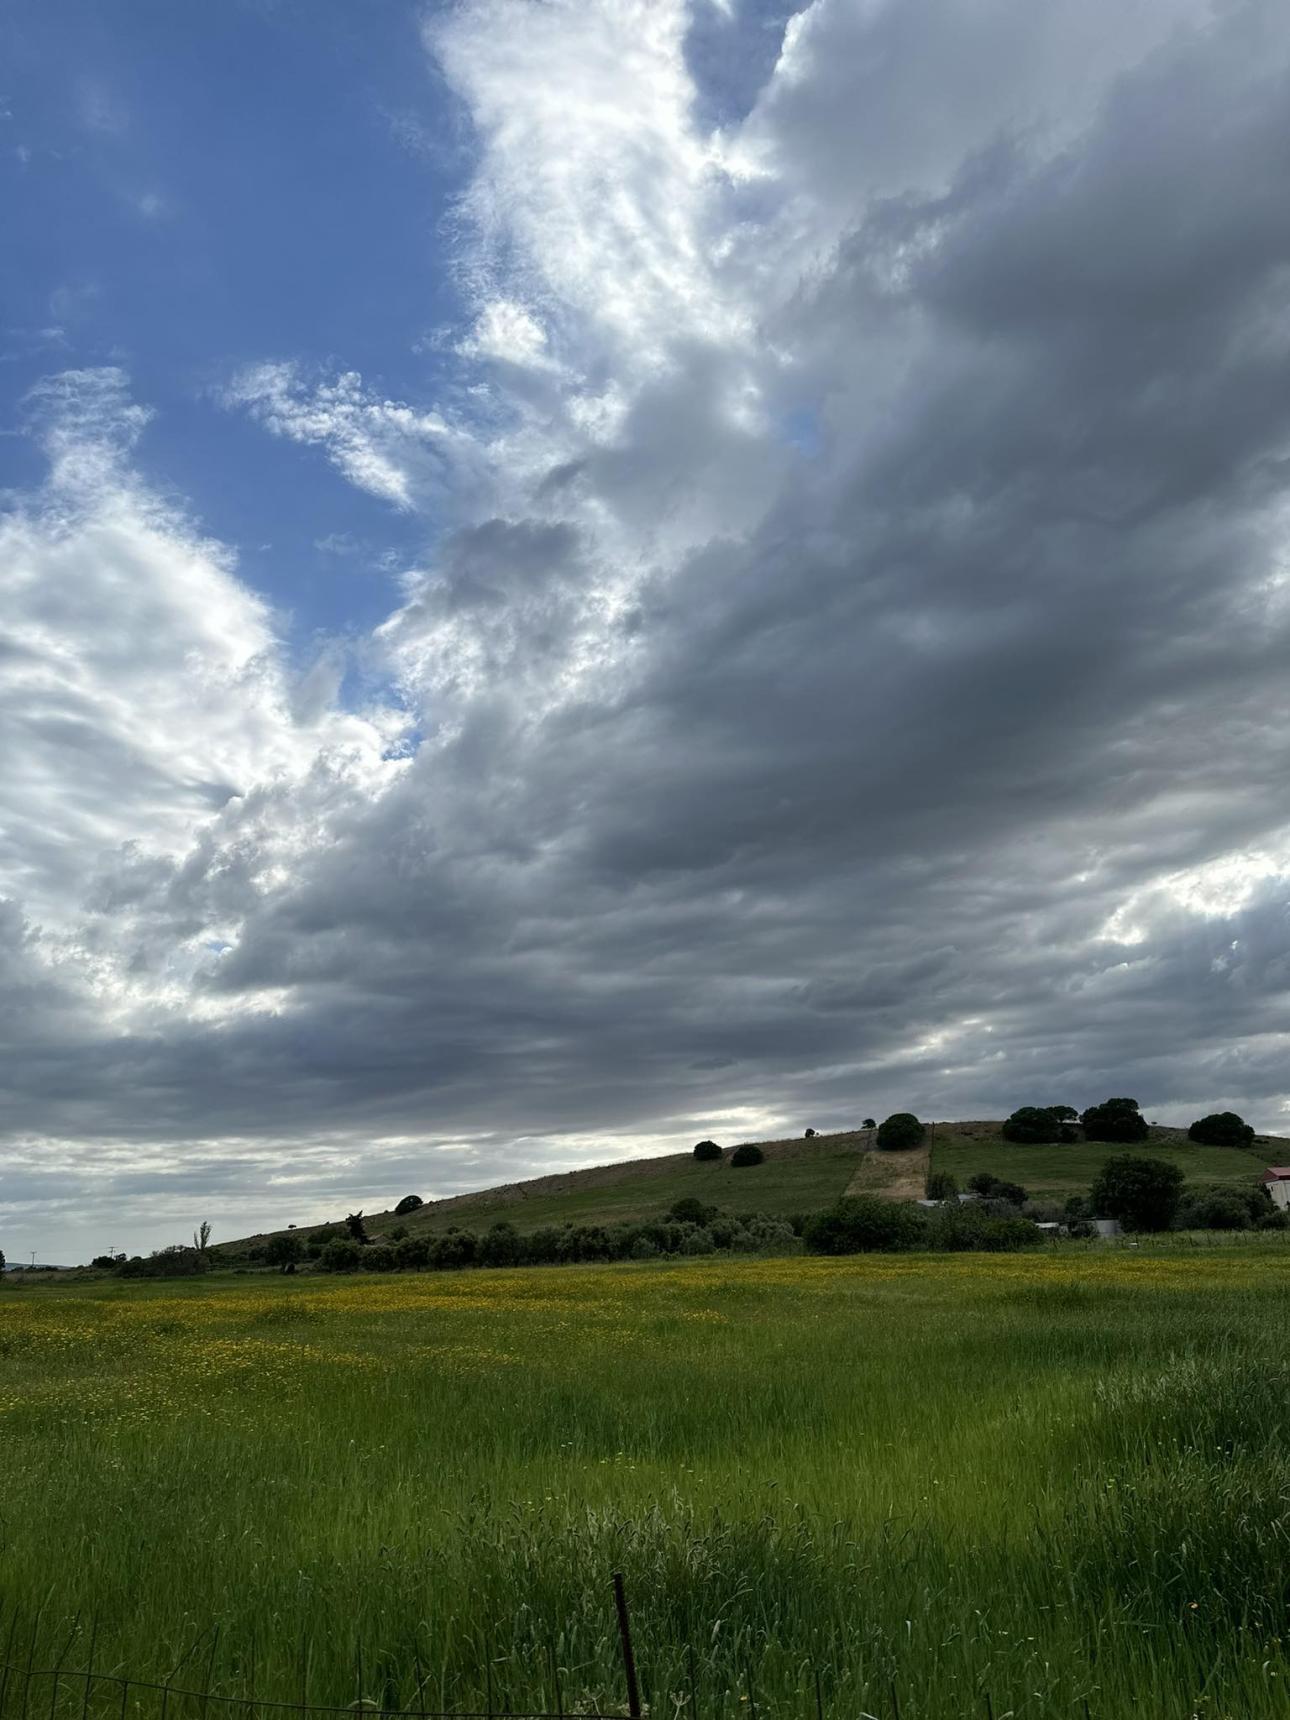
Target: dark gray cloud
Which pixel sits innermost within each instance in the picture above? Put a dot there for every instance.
(866, 691)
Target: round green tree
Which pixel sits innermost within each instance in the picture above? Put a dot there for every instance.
(1115, 1120)
(901, 1129)
(707, 1150)
(748, 1154)
(1221, 1129)
(1142, 1193)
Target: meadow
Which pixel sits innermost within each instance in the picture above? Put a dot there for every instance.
(1053, 1484)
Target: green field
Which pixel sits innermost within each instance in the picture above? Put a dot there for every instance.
(1055, 1172)
(1041, 1479)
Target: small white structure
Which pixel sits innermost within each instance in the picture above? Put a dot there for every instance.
(1276, 1179)
(1105, 1226)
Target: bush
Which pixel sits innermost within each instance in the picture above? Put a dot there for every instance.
(1215, 1210)
(746, 1155)
(991, 1187)
(1221, 1129)
(500, 1245)
(341, 1254)
(1277, 1219)
(771, 1233)
(453, 1250)
(409, 1203)
(688, 1210)
(395, 1235)
(1033, 1124)
(285, 1251)
(902, 1129)
(412, 1254)
(809, 1135)
(707, 1150)
(697, 1241)
(1142, 1193)
(356, 1228)
(378, 1258)
(962, 1228)
(868, 1123)
(319, 1239)
(1115, 1120)
(941, 1185)
(858, 1224)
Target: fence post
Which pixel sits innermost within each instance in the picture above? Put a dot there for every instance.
(629, 1659)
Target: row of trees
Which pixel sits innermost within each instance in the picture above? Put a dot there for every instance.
(690, 1227)
(1118, 1120)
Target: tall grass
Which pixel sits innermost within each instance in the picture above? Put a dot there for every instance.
(931, 1482)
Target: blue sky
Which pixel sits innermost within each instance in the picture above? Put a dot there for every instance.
(578, 574)
(192, 189)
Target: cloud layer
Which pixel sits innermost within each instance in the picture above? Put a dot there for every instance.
(845, 669)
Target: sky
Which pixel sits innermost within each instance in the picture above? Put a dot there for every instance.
(579, 574)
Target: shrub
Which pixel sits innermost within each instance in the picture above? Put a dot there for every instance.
(707, 1150)
(1214, 1210)
(285, 1251)
(941, 1185)
(455, 1249)
(395, 1235)
(356, 1228)
(961, 1228)
(319, 1239)
(341, 1254)
(542, 1248)
(765, 1232)
(1277, 1219)
(409, 1203)
(868, 1123)
(1221, 1129)
(697, 1241)
(500, 1245)
(688, 1210)
(902, 1129)
(1142, 1193)
(1033, 1124)
(378, 1258)
(857, 1224)
(412, 1254)
(1115, 1120)
(748, 1154)
(809, 1135)
(991, 1187)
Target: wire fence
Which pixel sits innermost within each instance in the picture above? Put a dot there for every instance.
(64, 1691)
(67, 1692)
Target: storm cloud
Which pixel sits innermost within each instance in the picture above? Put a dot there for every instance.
(846, 669)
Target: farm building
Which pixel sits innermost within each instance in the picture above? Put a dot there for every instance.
(1276, 1179)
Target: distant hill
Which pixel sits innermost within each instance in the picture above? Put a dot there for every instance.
(800, 1176)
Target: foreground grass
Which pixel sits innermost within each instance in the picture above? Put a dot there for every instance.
(1042, 1480)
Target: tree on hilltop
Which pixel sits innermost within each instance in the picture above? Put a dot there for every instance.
(902, 1129)
(707, 1150)
(1033, 1124)
(1221, 1129)
(1115, 1120)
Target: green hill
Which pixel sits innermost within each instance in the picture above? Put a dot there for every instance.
(797, 1176)
(800, 1176)
(1056, 1172)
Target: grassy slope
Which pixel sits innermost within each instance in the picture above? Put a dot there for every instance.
(803, 1176)
(798, 1176)
(1056, 1171)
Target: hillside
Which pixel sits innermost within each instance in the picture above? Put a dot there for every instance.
(1055, 1172)
(802, 1176)
(797, 1176)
